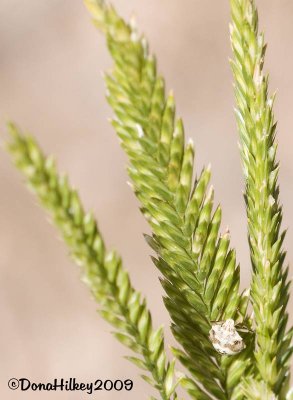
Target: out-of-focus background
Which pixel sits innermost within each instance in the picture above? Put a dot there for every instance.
(51, 59)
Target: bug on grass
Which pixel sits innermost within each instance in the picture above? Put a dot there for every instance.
(225, 337)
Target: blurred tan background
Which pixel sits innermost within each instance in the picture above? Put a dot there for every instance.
(51, 59)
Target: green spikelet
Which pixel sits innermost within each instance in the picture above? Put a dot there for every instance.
(178, 207)
(256, 125)
(120, 304)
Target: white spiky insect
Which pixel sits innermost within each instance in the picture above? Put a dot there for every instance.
(225, 338)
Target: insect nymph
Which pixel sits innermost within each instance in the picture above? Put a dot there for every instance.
(225, 338)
